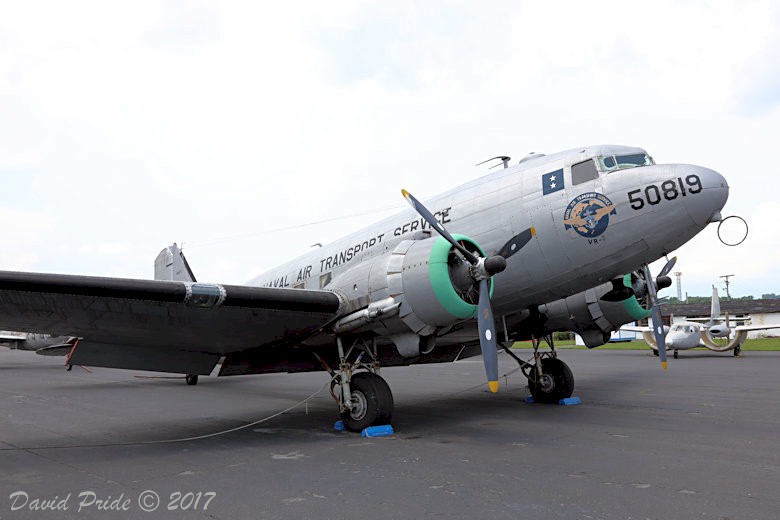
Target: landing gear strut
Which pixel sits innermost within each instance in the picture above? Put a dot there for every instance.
(549, 378)
(364, 398)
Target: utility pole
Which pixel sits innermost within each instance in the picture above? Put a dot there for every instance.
(726, 281)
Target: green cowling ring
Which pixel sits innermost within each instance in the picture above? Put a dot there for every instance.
(632, 305)
(440, 278)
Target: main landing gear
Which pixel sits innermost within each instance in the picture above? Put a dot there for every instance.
(364, 398)
(549, 378)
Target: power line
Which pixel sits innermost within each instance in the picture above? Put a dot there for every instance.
(211, 241)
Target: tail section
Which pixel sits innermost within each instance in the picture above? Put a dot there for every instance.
(171, 265)
(715, 307)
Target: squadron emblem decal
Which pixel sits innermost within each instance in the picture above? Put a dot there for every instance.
(588, 214)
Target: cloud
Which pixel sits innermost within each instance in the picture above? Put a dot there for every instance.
(23, 232)
(178, 121)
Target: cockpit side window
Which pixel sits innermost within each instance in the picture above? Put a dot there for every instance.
(584, 171)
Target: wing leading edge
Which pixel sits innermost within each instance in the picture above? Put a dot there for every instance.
(160, 325)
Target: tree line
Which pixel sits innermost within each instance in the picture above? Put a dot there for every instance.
(706, 299)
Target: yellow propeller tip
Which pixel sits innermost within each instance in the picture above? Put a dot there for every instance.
(493, 386)
(664, 365)
(533, 231)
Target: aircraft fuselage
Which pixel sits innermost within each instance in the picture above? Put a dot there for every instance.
(595, 220)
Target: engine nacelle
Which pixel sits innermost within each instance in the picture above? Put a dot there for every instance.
(430, 286)
(585, 313)
(719, 331)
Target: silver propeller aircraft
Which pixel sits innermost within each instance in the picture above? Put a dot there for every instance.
(715, 333)
(43, 344)
(556, 242)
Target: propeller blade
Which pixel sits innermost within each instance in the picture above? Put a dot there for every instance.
(658, 324)
(668, 267)
(431, 220)
(485, 269)
(517, 242)
(487, 335)
(660, 337)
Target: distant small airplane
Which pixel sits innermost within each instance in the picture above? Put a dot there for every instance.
(43, 344)
(714, 333)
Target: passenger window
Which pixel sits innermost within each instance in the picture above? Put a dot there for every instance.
(584, 171)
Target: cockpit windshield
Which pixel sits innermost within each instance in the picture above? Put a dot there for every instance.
(611, 163)
(683, 328)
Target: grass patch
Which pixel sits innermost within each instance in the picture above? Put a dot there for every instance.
(765, 344)
(762, 344)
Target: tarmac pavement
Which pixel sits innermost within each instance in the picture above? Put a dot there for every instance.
(701, 440)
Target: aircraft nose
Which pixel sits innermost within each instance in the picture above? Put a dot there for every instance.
(708, 192)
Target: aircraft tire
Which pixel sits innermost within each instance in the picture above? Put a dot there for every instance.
(675, 354)
(737, 351)
(562, 382)
(373, 402)
(191, 379)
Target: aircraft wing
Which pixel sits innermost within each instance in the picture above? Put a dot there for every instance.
(756, 327)
(11, 335)
(164, 326)
(630, 328)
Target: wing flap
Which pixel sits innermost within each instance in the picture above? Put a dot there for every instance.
(94, 354)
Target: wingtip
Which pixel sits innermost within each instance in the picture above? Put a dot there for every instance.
(493, 386)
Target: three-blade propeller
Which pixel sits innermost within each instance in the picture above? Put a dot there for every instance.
(481, 270)
(648, 287)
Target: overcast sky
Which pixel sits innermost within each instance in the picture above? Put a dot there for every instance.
(244, 129)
